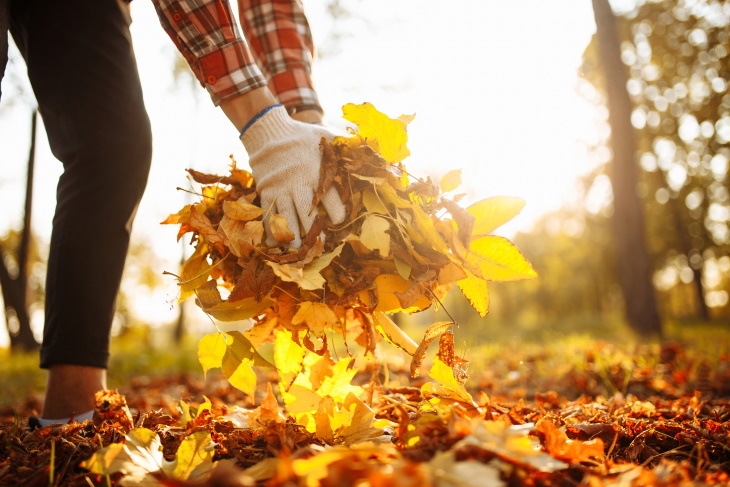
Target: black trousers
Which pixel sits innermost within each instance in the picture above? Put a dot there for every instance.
(84, 75)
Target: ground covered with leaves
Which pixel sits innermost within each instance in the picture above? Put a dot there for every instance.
(667, 425)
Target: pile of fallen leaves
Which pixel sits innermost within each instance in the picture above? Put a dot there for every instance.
(404, 243)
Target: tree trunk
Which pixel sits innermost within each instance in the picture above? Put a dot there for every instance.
(632, 256)
(15, 289)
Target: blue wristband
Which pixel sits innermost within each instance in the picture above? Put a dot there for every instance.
(256, 117)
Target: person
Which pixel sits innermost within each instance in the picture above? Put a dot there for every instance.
(83, 72)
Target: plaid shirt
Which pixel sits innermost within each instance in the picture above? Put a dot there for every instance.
(279, 52)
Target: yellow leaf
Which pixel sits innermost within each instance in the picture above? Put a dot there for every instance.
(497, 259)
(339, 384)
(311, 277)
(386, 135)
(238, 310)
(491, 213)
(448, 388)
(372, 202)
(288, 356)
(179, 217)
(242, 377)
(475, 291)
(387, 286)
(451, 180)
(211, 349)
(316, 315)
(393, 333)
(239, 210)
(239, 349)
(280, 229)
(194, 457)
(260, 333)
(374, 234)
(194, 272)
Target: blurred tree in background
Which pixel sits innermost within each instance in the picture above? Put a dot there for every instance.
(676, 56)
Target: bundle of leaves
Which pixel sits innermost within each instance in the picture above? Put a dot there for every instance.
(404, 243)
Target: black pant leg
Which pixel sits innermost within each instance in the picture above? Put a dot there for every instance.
(84, 75)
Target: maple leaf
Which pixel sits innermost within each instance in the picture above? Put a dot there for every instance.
(210, 301)
(316, 316)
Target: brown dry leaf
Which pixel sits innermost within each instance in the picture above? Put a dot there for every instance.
(558, 445)
(280, 229)
(432, 332)
(110, 407)
(241, 210)
(205, 230)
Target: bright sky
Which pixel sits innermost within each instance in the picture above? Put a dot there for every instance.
(493, 84)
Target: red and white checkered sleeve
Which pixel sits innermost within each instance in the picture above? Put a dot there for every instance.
(281, 41)
(206, 34)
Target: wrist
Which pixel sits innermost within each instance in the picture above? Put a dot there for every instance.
(241, 109)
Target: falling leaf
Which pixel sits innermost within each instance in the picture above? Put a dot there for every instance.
(491, 213)
(451, 180)
(432, 332)
(374, 234)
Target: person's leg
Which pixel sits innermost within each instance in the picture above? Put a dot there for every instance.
(83, 72)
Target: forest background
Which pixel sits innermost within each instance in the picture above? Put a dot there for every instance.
(516, 96)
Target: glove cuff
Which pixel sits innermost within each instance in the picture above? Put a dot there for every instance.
(270, 123)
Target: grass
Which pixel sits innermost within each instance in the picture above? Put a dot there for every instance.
(504, 359)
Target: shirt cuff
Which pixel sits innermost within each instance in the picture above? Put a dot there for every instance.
(294, 89)
(228, 71)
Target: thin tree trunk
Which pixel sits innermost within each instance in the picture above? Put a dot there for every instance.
(15, 289)
(634, 264)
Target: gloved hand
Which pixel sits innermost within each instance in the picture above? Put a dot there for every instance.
(285, 160)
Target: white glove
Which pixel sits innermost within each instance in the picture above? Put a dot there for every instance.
(285, 160)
